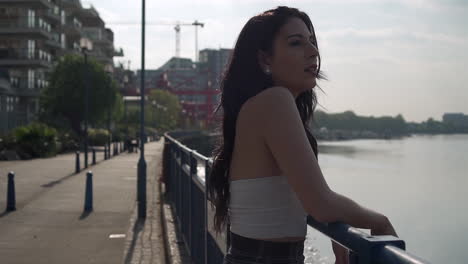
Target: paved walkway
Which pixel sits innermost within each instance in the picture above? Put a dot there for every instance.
(49, 225)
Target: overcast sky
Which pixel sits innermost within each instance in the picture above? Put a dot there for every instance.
(382, 57)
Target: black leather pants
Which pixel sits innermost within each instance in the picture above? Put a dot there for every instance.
(245, 250)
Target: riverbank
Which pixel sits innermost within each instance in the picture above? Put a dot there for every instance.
(338, 135)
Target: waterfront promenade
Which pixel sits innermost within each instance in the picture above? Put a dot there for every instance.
(49, 225)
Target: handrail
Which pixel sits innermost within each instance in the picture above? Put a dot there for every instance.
(186, 192)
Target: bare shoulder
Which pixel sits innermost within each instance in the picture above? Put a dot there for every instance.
(270, 99)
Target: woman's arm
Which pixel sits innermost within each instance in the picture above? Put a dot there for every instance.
(284, 134)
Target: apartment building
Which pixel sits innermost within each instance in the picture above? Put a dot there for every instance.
(34, 34)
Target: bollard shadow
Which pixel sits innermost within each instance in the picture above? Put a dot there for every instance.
(85, 214)
(5, 213)
(137, 227)
(52, 183)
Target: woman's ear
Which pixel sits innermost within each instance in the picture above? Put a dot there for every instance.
(264, 61)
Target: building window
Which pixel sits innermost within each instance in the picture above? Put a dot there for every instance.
(9, 106)
(63, 17)
(31, 49)
(62, 40)
(30, 79)
(31, 18)
(14, 81)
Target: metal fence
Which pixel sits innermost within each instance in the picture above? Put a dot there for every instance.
(184, 174)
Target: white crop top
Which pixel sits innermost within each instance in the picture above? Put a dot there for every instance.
(266, 208)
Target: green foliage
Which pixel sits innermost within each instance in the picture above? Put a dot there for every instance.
(149, 131)
(64, 98)
(164, 113)
(7, 141)
(98, 137)
(383, 126)
(349, 121)
(431, 126)
(67, 141)
(35, 140)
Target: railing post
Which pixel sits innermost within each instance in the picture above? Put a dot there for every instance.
(193, 172)
(184, 192)
(207, 173)
(94, 156)
(177, 185)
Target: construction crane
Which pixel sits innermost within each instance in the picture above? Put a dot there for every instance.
(177, 25)
(177, 30)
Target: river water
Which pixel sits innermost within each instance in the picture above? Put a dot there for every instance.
(419, 182)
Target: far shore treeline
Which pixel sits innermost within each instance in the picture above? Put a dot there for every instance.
(348, 125)
(345, 126)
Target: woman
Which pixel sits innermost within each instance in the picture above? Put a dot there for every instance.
(265, 177)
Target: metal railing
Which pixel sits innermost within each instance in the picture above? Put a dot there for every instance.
(184, 170)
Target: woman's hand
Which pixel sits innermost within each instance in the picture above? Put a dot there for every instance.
(341, 253)
(384, 228)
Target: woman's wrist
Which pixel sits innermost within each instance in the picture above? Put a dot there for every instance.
(379, 221)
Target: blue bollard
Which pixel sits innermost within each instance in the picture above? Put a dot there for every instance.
(77, 165)
(94, 156)
(11, 196)
(88, 206)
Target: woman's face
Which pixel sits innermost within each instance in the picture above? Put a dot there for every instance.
(293, 63)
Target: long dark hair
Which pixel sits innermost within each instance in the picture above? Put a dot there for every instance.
(242, 80)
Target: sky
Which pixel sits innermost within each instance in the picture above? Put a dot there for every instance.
(381, 57)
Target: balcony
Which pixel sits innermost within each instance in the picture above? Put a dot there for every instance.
(71, 4)
(22, 87)
(102, 57)
(22, 27)
(73, 28)
(54, 41)
(118, 53)
(99, 36)
(29, 3)
(52, 14)
(24, 58)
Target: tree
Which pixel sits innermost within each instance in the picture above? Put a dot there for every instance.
(164, 113)
(64, 98)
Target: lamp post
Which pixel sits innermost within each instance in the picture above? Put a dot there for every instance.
(109, 138)
(86, 46)
(141, 181)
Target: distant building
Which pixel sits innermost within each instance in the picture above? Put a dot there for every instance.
(102, 38)
(457, 119)
(195, 84)
(214, 62)
(34, 34)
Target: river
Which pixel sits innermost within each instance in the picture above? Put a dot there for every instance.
(419, 182)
